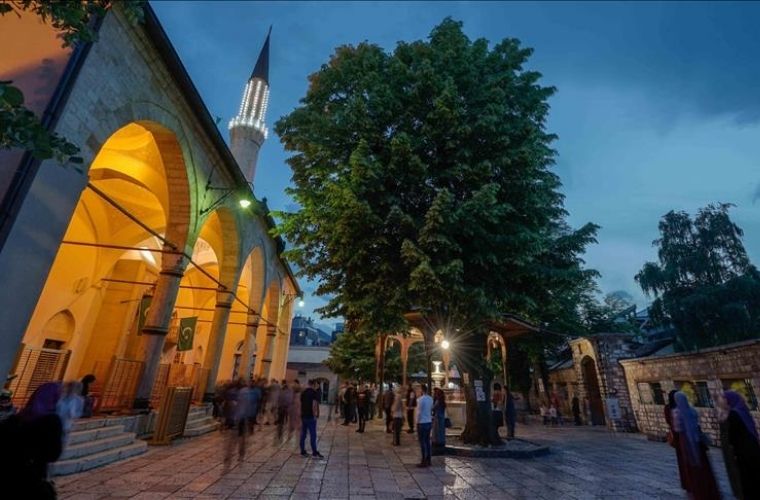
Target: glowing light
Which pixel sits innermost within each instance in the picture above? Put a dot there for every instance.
(245, 203)
(445, 344)
(301, 303)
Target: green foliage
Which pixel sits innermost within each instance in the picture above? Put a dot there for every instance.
(613, 315)
(704, 283)
(352, 356)
(425, 183)
(20, 127)
(424, 179)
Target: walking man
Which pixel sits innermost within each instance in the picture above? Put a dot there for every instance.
(362, 405)
(388, 399)
(424, 425)
(309, 416)
(411, 404)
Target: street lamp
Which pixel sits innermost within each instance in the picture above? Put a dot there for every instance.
(244, 202)
(301, 303)
(445, 344)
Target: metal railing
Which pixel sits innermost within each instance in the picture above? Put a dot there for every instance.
(34, 367)
(121, 379)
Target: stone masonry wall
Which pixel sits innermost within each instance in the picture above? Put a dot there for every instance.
(713, 366)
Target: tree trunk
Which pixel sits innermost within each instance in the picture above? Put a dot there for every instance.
(479, 427)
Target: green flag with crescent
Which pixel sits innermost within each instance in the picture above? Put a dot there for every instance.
(142, 312)
(186, 333)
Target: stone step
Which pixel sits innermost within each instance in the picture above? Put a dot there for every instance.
(83, 424)
(64, 467)
(199, 422)
(77, 437)
(97, 445)
(203, 429)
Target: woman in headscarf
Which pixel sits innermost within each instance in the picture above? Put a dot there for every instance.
(741, 447)
(699, 474)
(36, 436)
(674, 438)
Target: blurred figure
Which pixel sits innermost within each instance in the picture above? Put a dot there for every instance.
(6, 405)
(411, 405)
(674, 439)
(70, 406)
(274, 401)
(497, 412)
(396, 412)
(362, 407)
(349, 397)
(342, 399)
(699, 474)
(439, 417)
(89, 399)
(741, 446)
(294, 412)
(373, 393)
(576, 406)
(234, 418)
(36, 437)
(510, 414)
(389, 398)
(284, 403)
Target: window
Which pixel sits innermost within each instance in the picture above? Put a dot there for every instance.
(743, 387)
(657, 395)
(645, 393)
(703, 397)
(53, 344)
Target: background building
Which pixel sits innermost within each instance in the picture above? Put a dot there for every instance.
(309, 348)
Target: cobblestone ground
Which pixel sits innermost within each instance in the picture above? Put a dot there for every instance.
(584, 463)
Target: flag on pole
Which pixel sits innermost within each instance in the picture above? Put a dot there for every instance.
(142, 312)
(186, 333)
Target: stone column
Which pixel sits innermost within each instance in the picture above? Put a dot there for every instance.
(251, 327)
(216, 340)
(266, 366)
(157, 322)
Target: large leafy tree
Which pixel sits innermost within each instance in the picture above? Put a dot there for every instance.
(424, 180)
(704, 283)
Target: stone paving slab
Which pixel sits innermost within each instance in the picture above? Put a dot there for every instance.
(584, 463)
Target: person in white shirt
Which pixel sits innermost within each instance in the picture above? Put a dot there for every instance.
(424, 425)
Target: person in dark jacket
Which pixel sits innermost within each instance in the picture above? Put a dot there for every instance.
(36, 436)
(362, 406)
(411, 406)
(741, 447)
(576, 407)
(388, 400)
(89, 399)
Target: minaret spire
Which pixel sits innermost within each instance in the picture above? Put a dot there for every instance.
(248, 130)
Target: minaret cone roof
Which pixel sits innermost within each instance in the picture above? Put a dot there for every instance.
(261, 70)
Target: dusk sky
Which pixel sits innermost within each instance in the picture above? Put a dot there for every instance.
(658, 104)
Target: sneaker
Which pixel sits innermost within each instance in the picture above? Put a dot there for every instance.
(422, 464)
(317, 454)
(304, 454)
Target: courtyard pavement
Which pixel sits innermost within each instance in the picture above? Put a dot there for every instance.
(584, 463)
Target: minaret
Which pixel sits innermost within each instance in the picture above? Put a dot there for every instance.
(248, 130)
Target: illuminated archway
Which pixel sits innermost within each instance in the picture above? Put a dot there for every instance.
(111, 252)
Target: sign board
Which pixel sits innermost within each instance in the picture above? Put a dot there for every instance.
(480, 394)
(613, 408)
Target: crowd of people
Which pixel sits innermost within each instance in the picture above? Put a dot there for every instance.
(422, 413)
(243, 407)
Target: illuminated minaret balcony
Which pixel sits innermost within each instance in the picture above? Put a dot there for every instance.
(248, 129)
